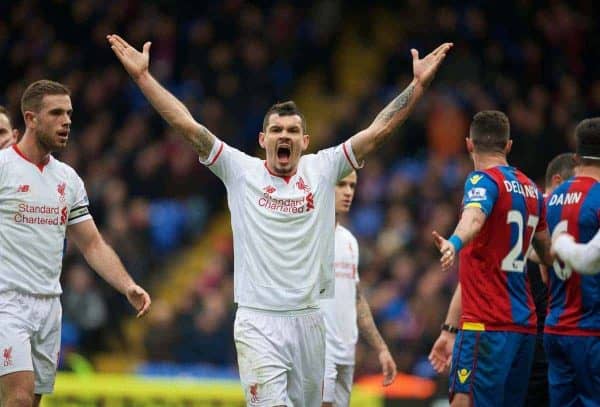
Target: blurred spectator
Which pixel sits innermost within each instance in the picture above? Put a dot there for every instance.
(84, 306)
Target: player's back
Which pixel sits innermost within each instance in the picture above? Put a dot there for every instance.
(495, 290)
(574, 304)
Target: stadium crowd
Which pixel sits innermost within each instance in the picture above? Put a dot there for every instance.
(229, 61)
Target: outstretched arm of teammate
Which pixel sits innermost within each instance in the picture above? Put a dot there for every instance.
(367, 328)
(396, 112)
(174, 112)
(441, 352)
(468, 227)
(582, 258)
(103, 259)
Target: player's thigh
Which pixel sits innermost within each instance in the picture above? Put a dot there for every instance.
(17, 389)
(306, 376)
(588, 370)
(16, 368)
(480, 362)
(45, 348)
(461, 400)
(262, 361)
(517, 380)
(343, 385)
(561, 372)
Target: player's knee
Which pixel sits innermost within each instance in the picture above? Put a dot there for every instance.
(461, 400)
(18, 398)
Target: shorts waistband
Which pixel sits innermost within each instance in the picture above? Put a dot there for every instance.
(275, 313)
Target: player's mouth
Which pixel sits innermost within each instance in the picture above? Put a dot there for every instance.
(63, 134)
(283, 154)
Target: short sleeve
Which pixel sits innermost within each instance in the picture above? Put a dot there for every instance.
(337, 162)
(80, 207)
(226, 162)
(481, 191)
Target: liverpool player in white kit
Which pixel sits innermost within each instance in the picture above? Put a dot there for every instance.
(42, 200)
(283, 217)
(348, 312)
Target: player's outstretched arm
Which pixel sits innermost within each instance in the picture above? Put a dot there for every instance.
(441, 352)
(468, 227)
(367, 328)
(583, 258)
(168, 106)
(396, 112)
(103, 259)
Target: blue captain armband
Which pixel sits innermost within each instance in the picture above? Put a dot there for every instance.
(456, 242)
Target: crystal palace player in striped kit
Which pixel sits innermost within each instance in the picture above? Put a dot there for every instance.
(503, 213)
(572, 332)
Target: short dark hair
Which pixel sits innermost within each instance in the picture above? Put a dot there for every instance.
(587, 136)
(490, 131)
(563, 165)
(288, 108)
(33, 95)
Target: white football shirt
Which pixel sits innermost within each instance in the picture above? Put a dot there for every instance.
(282, 226)
(340, 312)
(36, 205)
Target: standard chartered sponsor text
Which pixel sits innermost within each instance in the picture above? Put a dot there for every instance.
(282, 205)
(26, 214)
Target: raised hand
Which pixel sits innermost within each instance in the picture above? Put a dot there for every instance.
(447, 249)
(424, 69)
(135, 62)
(441, 352)
(139, 299)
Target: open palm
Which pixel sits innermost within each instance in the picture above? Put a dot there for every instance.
(424, 69)
(134, 61)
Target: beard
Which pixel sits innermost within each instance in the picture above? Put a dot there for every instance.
(50, 143)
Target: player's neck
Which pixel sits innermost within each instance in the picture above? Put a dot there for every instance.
(32, 150)
(485, 161)
(591, 171)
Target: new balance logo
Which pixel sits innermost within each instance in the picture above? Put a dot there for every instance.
(269, 189)
(23, 188)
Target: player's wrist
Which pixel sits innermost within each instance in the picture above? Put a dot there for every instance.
(449, 329)
(456, 242)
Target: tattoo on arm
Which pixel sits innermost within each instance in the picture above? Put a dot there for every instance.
(366, 324)
(399, 103)
(203, 141)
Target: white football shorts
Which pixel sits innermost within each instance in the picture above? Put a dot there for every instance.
(337, 385)
(281, 357)
(30, 337)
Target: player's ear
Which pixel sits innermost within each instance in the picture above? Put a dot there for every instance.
(305, 142)
(30, 119)
(470, 145)
(508, 146)
(261, 139)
